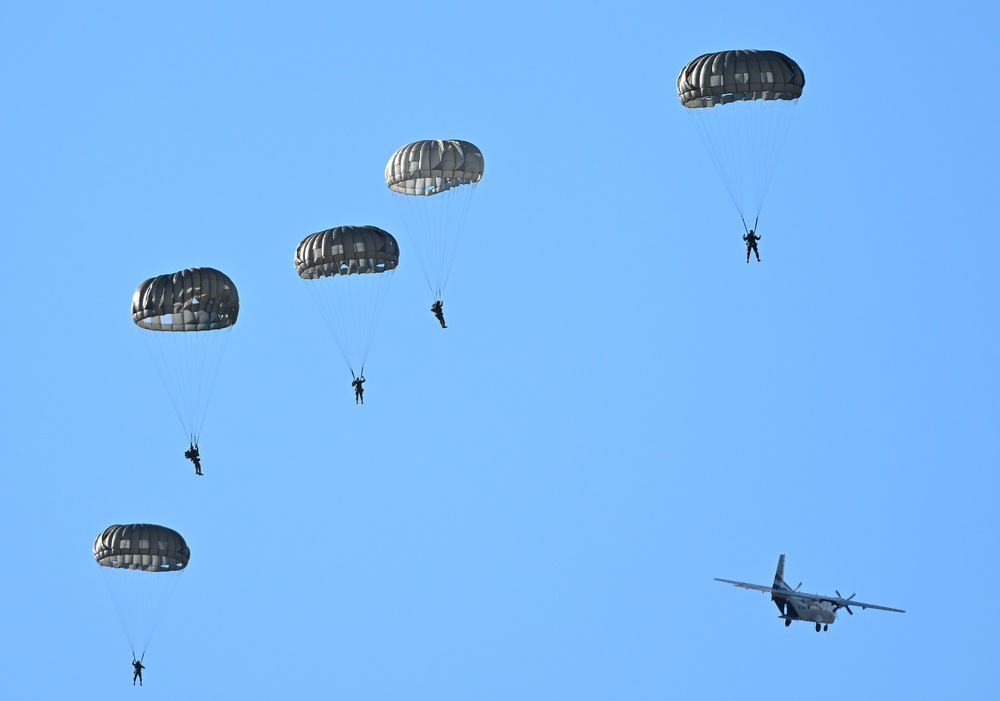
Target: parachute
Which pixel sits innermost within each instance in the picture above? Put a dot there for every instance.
(348, 270)
(742, 103)
(185, 318)
(433, 183)
(142, 563)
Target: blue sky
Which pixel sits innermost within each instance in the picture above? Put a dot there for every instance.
(533, 503)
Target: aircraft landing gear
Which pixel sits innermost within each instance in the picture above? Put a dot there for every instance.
(826, 627)
(817, 627)
(788, 622)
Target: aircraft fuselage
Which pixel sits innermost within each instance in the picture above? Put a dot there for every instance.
(797, 609)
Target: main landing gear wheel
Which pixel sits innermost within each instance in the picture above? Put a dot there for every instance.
(788, 622)
(826, 627)
(817, 627)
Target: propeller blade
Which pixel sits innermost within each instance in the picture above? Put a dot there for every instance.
(844, 605)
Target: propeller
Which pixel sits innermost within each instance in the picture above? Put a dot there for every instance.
(799, 585)
(844, 605)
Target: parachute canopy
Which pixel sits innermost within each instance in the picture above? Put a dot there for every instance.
(744, 74)
(346, 250)
(432, 167)
(451, 169)
(141, 546)
(201, 300)
(141, 564)
(348, 270)
(196, 299)
(754, 94)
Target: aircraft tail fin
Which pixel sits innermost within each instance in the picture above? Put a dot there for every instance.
(779, 574)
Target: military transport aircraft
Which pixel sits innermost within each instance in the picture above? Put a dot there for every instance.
(798, 606)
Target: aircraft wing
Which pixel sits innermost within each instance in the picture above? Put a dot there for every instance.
(755, 587)
(841, 602)
(837, 601)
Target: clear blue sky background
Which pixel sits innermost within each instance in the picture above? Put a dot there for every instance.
(533, 503)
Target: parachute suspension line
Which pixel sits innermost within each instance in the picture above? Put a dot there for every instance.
(744, 140)
(141, 565)
(425, 178)
(140, 600)
(768, 130)
(382, 287)
(350, 307)
(452, 239)
(210, 374)
(717, 148)
(415, 231)
(157, 350)
(188, 363)
(434, 225)
(143, 655)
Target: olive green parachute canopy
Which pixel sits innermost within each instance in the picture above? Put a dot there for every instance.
(744, 74)
(346, 250)
(196, 299)
(433, 167)
(141, 546)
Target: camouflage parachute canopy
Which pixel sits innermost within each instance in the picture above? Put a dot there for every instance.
(196, 299)
(141, 546)
(744, 74)
(433, 167)
(346, 250)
